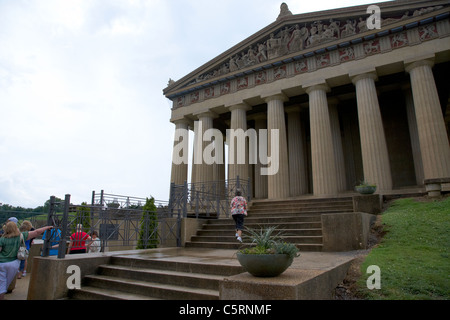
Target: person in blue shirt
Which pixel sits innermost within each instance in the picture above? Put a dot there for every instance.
(55, 236)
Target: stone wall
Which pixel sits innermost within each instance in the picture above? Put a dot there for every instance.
(346, 231)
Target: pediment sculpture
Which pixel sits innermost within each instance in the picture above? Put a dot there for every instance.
(297, 37)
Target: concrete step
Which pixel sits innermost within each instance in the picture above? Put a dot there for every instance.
(136, 277)
(300, 219)
(304, 202)
(230, 231)
(192, 280)
(236, 245)
(295, 211)
(149, 289)
(290, 238)
(300, 205)
(94, 293)
(266, 218)
(175, 265)
(257, 225)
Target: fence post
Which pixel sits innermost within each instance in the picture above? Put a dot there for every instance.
(146, 229)
(48, 235)
(101, 198)
(62, 240)
(178, 229)
(249, 190)
(185, 199)
(217, 198)
(171, 198)
(197, 203)
(91, 209)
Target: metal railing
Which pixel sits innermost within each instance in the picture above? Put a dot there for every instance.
(206, 199)
(121, 223)
(118, 201)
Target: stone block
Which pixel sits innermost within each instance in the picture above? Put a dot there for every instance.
(345, 231)
(369, 203)
(49, 275)
(293, 284)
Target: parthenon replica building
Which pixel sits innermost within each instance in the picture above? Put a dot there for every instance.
(349, 102)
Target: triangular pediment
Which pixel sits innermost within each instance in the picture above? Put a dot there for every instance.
(296, 37)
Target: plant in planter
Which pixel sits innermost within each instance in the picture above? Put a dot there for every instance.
(270, 256)
(366, 187)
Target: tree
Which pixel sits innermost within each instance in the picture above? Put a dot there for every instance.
(148, 234)
(59, 202)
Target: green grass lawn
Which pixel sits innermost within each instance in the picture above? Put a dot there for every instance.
(413, 256)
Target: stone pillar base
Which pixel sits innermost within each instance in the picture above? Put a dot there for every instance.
(434, 186)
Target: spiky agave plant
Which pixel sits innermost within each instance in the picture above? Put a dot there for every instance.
(267, 241)
(264, 237)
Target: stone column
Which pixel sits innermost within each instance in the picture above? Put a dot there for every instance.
(219, 172)
(298, 176)
(204, 172)
(238, 159)
(278, 180)
(414, 135)
(351, 149)
(322, 151)
(260, 185)
(337, 144)
(373, 141)
(194, 165)
(219, 168)
(180, 152)
(434, 144)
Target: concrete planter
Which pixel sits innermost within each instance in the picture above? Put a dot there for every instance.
(264, 265)
(366, 189)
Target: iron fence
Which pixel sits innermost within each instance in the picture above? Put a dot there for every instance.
(124, 222)
(206, 199)
(120, 222)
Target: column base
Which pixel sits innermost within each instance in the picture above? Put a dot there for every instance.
(434, 186)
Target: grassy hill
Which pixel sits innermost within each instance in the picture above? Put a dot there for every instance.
(413, 256)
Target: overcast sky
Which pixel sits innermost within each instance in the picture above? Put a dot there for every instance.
(81, 102)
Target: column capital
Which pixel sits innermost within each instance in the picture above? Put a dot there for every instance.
(239, 106)
(367, 75)
(208, 114)
(321, 87)
(279, 96)
(182, 121)
(410, 65)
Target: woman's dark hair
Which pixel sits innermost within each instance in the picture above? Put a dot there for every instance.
(238, 192)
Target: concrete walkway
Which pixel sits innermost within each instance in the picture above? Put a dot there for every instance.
(20, 292)
(308, 261)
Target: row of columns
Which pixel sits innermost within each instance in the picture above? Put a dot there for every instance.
(327, 157)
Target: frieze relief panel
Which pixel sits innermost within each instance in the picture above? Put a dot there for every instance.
(297, 38)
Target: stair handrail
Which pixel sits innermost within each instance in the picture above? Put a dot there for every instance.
(210, 199)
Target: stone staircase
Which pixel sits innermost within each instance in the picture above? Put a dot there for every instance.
(300, 221)
(143, 278)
